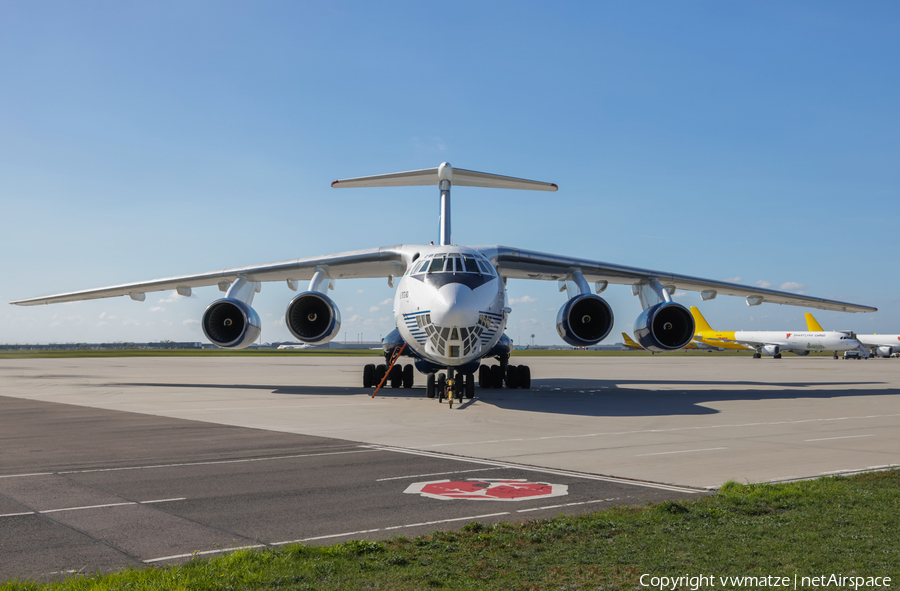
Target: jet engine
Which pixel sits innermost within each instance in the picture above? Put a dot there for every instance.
(313, 318)
(231, 323)
(771, 349)
(885, 351)
(584, 320)
(664, 327)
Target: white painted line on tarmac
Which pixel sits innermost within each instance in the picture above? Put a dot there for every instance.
(566, 505)
(217, 462)
(845, 437)
(203, 553)
(87, 507)
(377, 529)
(23, 475)
(683, 451)
(585, 476)
(94, 507)
(437, 474)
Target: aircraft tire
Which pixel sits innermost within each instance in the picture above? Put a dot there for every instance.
(777, 356)
(496, 376)
(408, 376)
(396, 376)
(441, 387)
(512, 376)
(484, 375)
(525, 377)
(429, 386)
(368, 375)
(380, 370)
(470, 386)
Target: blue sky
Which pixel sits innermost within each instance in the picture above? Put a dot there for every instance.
(725, 140)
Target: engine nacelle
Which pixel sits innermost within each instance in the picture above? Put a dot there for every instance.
(231, 323)
(771, 349)
(664, 327)
(885, 351)
(313, 318)
(584, 320)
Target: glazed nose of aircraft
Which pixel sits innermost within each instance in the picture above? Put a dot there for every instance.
(455, 305)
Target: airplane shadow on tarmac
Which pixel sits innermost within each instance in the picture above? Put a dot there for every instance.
(600, 398)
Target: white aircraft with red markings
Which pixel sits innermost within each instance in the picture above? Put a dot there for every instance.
(450, 305)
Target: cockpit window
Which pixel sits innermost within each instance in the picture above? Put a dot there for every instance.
(471, 266)
(437, 265)
(484, 268)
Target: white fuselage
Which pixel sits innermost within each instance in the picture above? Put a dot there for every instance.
(450, 305)
(874, 341)
(799, 341)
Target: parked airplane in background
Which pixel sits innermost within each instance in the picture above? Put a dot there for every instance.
(772, 342)
(297, 346)
(882, 345)
(450, 307)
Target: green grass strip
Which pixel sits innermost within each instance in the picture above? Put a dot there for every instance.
(846, 526)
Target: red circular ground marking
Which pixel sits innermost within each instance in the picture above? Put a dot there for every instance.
(487, 489)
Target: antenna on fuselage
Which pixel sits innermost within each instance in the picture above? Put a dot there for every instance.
(444, 176)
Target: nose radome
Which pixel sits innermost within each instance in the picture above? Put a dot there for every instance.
(454, 305)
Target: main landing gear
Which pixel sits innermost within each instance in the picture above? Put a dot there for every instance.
(515, 376)
(400, 377)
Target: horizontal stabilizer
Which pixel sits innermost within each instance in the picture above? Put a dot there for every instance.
(434, 176)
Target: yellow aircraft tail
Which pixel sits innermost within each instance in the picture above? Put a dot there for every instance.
(630, 343)
(812, 325)
(701, 325)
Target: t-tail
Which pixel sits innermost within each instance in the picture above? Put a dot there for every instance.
(444, 176)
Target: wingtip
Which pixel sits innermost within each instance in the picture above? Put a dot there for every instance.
(555, 187)
(334, 183)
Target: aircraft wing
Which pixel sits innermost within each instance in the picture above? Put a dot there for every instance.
(375, 262)
(516, 263)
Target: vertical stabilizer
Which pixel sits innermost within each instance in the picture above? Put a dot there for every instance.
(812, 325)
(701, 324)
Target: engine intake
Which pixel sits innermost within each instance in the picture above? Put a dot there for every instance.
(231, 323)
(771, 350)
(664, 327)
(584, 320)
(885, 351)
(313, 318)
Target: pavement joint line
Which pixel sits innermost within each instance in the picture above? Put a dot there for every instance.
(674, 429)
(202, 553)
(566, 505)
(684, 451)
(377, 529)
(583, 475)
(438, 474)
(93, 507)
(845, 437)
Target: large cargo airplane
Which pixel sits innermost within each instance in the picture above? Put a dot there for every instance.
(883, 345)
(773, 342)
(450, 306)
